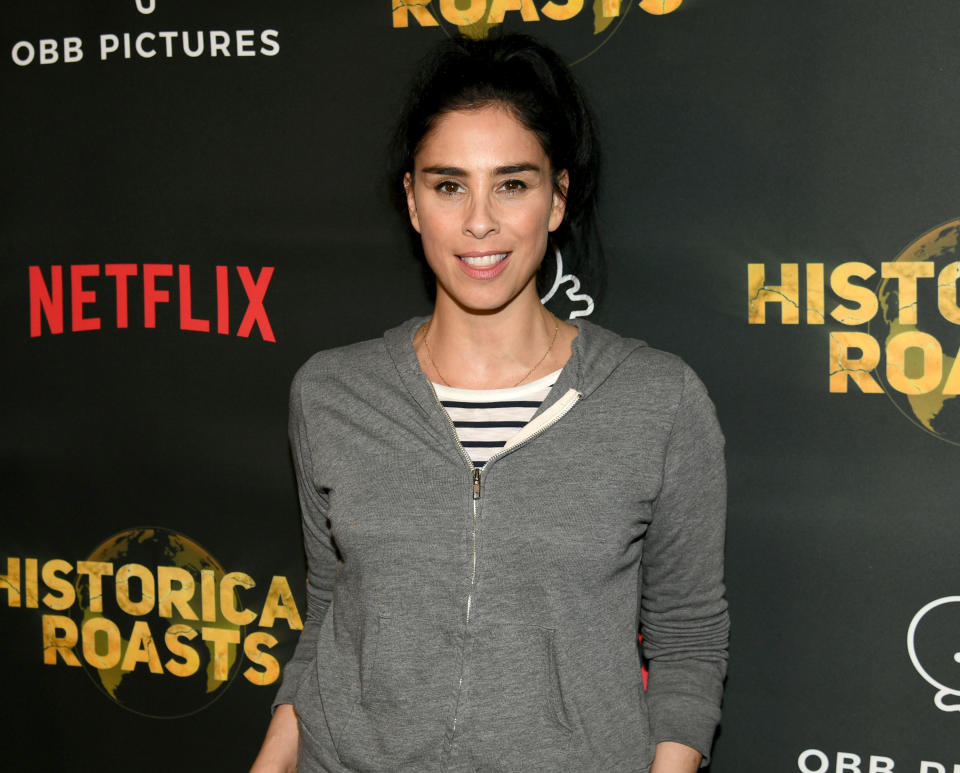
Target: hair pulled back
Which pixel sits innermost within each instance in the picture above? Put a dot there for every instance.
(537, 87)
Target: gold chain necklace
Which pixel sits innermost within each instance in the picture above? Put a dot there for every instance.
(426, 343)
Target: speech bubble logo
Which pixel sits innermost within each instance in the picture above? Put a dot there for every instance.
(572, 292)
(943, 691)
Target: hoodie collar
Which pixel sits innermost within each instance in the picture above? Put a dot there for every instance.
(596, 354)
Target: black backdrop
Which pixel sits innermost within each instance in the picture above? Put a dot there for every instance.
(736, 132)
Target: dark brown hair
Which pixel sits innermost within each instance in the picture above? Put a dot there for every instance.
(534, 83)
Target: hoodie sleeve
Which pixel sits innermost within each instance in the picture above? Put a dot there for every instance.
(321, 555)
(683, 612)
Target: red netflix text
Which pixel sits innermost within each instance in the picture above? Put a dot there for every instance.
(93, 289)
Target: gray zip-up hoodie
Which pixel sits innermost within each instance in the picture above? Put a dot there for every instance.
(464, 621)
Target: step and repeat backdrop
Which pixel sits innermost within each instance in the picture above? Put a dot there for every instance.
(194, 202)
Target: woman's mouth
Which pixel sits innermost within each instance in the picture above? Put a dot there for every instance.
(483, 261)
(483, 265)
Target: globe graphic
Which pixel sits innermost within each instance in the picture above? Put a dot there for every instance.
(935, 412)
(138, 689)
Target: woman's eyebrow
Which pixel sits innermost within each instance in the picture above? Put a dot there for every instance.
(446, 171)
(516, 168)
(455, 171)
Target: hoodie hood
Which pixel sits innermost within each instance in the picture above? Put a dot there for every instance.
(596, 354)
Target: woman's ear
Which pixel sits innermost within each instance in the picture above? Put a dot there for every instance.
(411, 201)
(559, 205)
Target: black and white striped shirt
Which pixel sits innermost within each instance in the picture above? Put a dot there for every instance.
(485, 419)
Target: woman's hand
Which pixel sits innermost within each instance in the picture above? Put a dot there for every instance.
(673, 757)
(279, 751)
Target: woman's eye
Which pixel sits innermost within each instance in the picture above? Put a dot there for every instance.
(449, 187)
(512, 186)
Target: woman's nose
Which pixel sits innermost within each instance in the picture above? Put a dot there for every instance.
(480, 219)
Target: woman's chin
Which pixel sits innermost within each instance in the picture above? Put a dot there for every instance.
(485, 301)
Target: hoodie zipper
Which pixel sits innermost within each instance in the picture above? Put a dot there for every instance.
(476, 495)
(533, 429)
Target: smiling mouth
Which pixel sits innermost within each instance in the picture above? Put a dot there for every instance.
(483, 261)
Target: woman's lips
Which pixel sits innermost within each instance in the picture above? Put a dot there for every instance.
(485, 265)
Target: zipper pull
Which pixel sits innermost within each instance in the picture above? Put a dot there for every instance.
(476, 483)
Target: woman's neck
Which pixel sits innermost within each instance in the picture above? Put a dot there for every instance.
(488, 350)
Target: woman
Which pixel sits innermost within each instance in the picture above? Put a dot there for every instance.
(475, 592)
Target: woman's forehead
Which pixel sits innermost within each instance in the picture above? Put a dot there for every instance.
(482, 137)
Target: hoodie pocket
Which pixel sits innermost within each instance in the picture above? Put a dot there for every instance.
(408, 685)
(516, 712)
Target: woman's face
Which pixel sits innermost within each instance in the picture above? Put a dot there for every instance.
(482, 198)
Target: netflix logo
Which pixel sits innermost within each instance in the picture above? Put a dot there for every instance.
(112, 294)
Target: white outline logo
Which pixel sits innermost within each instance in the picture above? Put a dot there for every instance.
(572, 293)
(943, 692)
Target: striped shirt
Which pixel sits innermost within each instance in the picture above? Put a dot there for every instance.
(485, 419)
